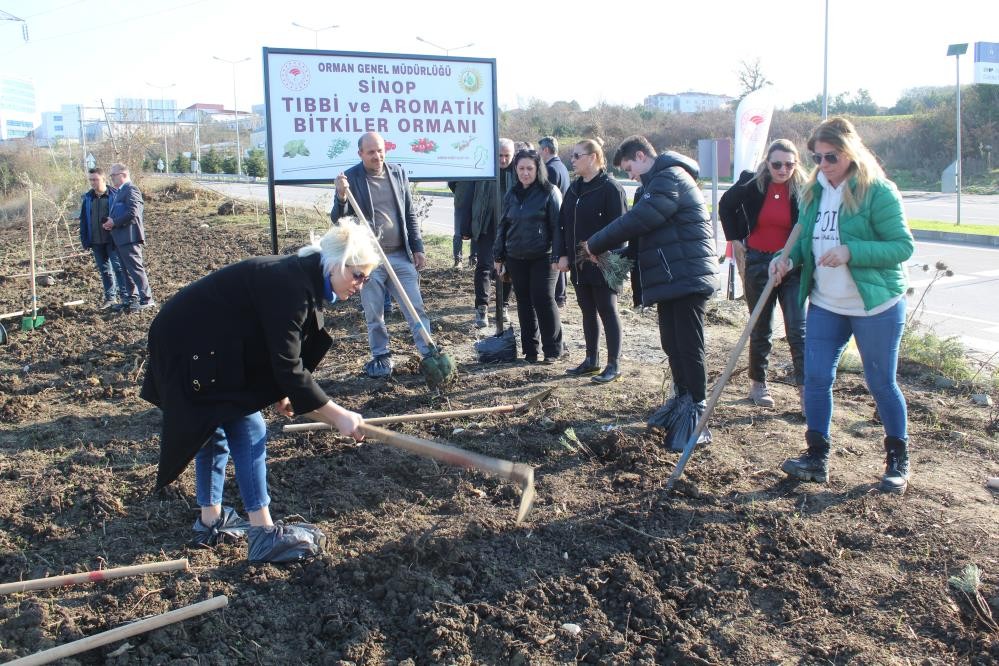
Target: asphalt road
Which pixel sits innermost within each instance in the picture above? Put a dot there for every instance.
(962, 305)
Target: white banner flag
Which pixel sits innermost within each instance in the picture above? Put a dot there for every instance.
(752, 127)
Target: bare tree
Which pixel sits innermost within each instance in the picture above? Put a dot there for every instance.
(751, 77)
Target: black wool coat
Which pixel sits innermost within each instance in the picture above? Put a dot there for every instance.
(669, 223)
(230, 344)
(586, 209)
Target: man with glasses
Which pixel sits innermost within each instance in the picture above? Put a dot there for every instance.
(382, 192)
(558, 175)
(124, 221)
(94, 208)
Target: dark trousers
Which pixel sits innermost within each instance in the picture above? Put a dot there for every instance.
(760, 339)
(534, 284)
(137, 283)
(599, 300)
(681, 332)
(485, 272)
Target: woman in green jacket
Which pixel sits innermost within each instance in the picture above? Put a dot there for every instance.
(854, 240)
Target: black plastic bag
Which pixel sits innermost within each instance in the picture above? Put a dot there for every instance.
(684, 423)
(500, 348)
(665, 416)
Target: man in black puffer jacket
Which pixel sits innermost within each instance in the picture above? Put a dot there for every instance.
(671, 231)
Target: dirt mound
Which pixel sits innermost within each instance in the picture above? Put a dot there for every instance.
(738, 565)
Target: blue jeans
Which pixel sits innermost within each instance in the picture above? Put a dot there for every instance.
(878, 339)
(109, 266)
(246, 440)
(373, 302)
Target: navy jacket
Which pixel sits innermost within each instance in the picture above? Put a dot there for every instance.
(558, 175)
(230, 344)
(358, 180)
(126, 213)
(86, 202)
(670, 225)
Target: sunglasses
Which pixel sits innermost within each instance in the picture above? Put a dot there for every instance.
(830, 158)
(776, 166)
(577, 156)
(360, 277)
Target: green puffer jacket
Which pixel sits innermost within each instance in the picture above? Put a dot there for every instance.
(877, 236)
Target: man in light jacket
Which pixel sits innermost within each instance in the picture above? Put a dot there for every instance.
(382, 192)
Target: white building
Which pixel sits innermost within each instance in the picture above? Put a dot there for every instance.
(687, 102)
(18, 114)
(57, 125)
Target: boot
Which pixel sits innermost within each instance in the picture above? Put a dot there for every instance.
(610, 374)
(896, 478)
(589, 366)
(481, 317)
(759, 393)
(813, 464)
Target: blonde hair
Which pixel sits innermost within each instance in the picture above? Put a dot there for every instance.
(840, 133)
(797, 180)
(347, 243)
(595, 147)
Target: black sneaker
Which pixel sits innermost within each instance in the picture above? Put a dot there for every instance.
(610, 374)
(285, 543)
(229, 527)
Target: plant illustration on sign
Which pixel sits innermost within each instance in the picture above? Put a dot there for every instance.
(390, 146)
(296, 147)
(424, 145)
(464, 143)
(337, 146)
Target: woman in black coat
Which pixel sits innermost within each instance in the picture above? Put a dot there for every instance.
(592, 201)
(228, 345)
(759, 212)
(526, 241)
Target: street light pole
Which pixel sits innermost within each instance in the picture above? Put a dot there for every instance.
(235, 110)
(958, 50)
(446, 50)
(166, 154)
(825, 70)
(315, 31)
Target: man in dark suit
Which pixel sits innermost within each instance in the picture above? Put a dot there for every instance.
(124, 221)
(382, 192)
(558, 176)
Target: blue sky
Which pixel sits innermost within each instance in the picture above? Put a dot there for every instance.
(83, 50)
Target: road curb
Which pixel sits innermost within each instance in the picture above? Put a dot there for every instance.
(956, 237)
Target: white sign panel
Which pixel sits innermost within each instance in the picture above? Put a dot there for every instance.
(752, 126)
(437, 115)
(986, 62)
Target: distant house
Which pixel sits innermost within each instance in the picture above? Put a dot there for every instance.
(687, 102)
(56, 125)
(216, 113)
(18, 115)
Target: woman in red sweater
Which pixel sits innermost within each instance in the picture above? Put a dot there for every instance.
(759, 211)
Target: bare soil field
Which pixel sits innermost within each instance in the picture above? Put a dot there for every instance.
(425, 563)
